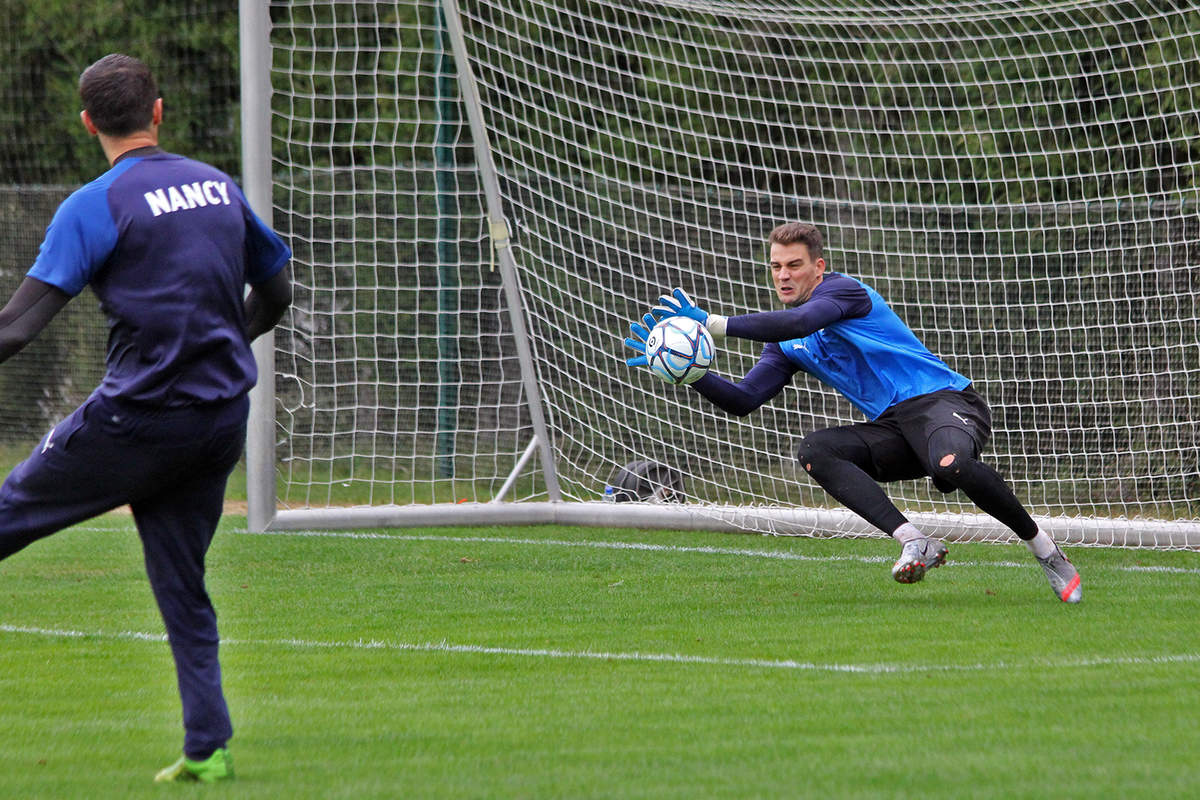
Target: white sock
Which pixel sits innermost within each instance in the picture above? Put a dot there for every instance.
(1041, 545)
(907, 532)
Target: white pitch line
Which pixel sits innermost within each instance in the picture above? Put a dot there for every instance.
(669, 548)
(591, 655)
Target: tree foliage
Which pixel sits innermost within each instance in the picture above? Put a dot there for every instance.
(1041, 106)
(192, 48)
(45, 153)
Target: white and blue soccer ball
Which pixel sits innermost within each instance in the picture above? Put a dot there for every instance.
(679, 350)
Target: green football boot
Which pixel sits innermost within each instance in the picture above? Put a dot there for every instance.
(217, 767)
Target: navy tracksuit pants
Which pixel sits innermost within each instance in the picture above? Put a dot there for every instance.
(170, 466)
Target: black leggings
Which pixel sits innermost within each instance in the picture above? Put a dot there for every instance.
(849, 464)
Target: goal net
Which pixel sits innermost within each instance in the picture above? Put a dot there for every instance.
(481, 197)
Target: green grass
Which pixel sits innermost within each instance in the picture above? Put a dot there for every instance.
(535, 663)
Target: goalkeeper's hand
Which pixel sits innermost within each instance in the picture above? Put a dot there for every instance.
(678, 304)
(637, 342)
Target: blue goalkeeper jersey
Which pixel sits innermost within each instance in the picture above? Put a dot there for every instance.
(873, 360)
(167, 245)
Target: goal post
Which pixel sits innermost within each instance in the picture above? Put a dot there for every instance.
(1018, 179)
(254, 27)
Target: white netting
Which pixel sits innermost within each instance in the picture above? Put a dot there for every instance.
(393, 380)
(1018, 179)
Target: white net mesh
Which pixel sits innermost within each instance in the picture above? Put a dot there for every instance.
(1017, 179)
(394, 383)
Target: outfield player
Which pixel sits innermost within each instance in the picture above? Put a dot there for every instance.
(925, 419)
(168, 245)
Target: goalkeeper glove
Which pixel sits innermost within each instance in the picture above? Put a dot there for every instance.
(638, 344)
(678, 304)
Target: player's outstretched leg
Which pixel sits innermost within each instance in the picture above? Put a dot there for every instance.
(217, 767)
(919, 555)
(1063, 577)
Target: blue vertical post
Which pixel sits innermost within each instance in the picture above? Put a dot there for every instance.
(448, 124)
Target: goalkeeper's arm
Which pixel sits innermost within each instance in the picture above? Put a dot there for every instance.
(846, 300)
(779, 326)
(764, 380)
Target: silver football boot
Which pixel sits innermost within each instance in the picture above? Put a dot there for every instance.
(1063, 577)
(918, 557)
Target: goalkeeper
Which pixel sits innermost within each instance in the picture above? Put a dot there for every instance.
(925, 418)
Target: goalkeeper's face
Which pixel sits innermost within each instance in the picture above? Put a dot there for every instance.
(795, 272)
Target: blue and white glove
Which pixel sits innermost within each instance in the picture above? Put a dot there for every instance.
(678, 304)
(638, 344)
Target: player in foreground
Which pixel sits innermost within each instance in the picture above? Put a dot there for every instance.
(925, 419)
(168, 245)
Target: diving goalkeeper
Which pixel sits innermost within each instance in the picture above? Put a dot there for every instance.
(925, 419)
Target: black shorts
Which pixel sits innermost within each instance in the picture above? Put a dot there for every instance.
(921, 416)
(903, 441)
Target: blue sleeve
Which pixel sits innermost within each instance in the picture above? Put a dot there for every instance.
(764, 380)
(266, 252)
(78, 242)
(836, 298)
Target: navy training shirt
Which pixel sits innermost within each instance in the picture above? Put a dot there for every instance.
(167, 245)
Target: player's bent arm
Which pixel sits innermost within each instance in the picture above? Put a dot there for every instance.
(835, 299)
(764, 380)
(790, 323)
(266, 303)
(772, 326)
(32, 305)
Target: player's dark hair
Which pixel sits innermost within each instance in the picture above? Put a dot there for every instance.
(799, 233)
(118, 92)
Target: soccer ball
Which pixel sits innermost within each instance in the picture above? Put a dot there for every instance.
(679, 350)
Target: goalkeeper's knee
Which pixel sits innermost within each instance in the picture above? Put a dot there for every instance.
(819, 451)
(946, 471)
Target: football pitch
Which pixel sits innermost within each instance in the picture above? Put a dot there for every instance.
(552, 662)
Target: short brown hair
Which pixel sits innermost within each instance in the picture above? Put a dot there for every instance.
(799, 233)
(118, 93)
